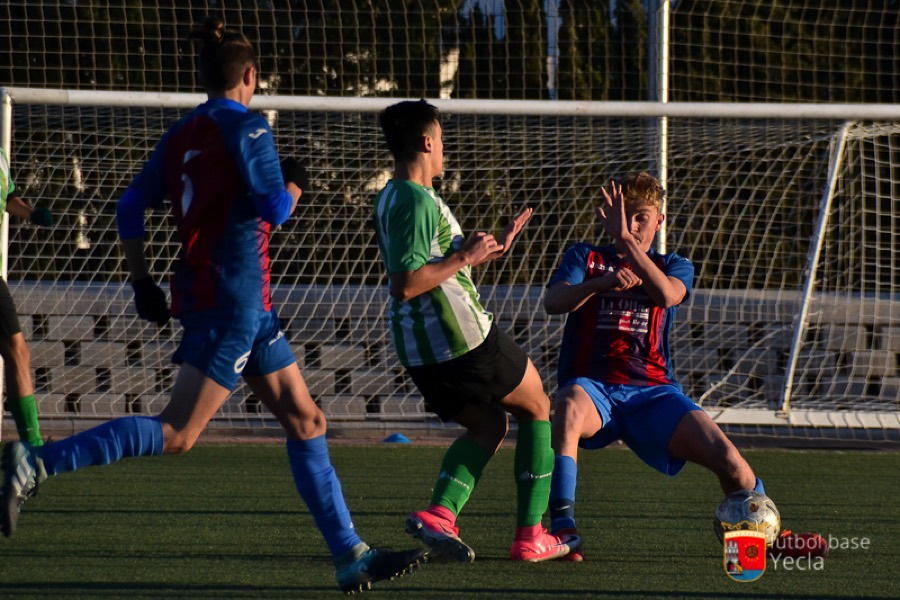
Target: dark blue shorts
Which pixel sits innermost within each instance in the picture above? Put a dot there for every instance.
(227, 346)
(644, 417)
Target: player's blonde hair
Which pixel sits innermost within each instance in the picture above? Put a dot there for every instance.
(642, 189)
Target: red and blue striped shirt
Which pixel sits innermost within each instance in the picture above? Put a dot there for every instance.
(617, 337)
(220, 170)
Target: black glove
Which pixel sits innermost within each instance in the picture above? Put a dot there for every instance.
(150, 301)
(42, 217)
(293, 171)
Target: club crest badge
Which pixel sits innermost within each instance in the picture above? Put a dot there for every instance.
(745, 555)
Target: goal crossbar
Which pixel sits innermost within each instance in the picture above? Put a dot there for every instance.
(761, 342)
(712, 110)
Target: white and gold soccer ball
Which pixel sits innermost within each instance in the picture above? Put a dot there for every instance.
(747, 510)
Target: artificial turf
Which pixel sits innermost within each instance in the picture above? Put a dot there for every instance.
(225, 521)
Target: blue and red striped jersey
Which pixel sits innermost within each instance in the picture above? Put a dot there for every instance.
(221, 172)
(617, 337)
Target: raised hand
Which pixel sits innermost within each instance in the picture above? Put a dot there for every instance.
(513, 228)
(611, 212)
(481, 247)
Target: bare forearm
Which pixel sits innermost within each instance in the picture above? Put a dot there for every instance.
(663, 290)
(18, 208)
(564, 298)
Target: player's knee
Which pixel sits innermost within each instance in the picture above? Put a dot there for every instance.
(528, 402)
(496, 427)
(310, 425)
(534, 406)
(564, 407)
(531, 412)
(568, 411)
(489, 432)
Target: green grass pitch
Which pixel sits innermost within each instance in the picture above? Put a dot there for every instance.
(225, 521)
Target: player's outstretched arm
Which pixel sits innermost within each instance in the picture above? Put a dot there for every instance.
(41, 216)
(511, 231)
(406, 285)
(562, 297)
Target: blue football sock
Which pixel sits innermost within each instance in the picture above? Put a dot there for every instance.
(562, 493)
(320, 488)
(104, 444)
(759, 486)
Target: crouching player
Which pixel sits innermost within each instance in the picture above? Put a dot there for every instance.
(615, 376)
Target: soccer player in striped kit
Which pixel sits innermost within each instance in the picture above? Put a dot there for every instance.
(219, 168)
(467, 370)
(13, 347)
(615, 374)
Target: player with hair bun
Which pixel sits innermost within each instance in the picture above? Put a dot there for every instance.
(219, 168)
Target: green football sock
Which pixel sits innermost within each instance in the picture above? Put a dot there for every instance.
(460, 471)
(533, 469)
(24, 412)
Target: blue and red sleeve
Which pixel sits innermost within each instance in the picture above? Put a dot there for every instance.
(682, 269)
(261, 170)
(573, 266)
(147, 190)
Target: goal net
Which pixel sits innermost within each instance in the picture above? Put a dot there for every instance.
(791, 329)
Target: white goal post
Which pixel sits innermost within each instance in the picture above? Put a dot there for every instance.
(789, 212)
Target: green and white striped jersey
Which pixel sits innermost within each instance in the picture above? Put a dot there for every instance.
(7, 187)
(416, 227)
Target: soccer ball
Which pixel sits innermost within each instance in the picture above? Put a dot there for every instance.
(746, 510)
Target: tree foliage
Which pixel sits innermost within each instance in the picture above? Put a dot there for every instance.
(721, 50)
